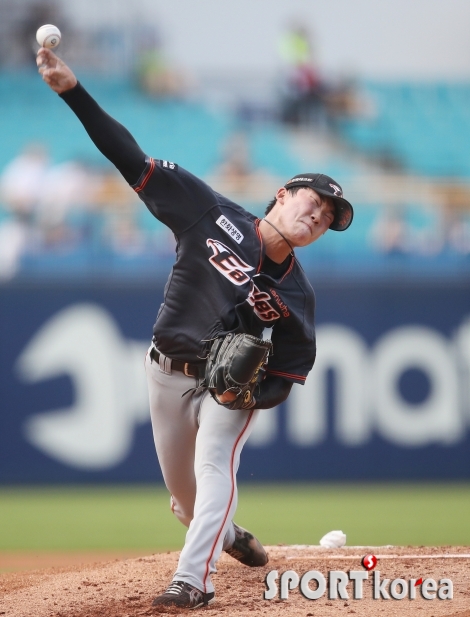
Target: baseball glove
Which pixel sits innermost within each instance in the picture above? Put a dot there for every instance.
(236, 363)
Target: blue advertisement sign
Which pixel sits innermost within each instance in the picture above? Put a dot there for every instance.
(388, 398)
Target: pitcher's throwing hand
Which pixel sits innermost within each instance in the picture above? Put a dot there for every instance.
(54, 71)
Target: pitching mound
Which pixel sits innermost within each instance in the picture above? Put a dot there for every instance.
(126, 587)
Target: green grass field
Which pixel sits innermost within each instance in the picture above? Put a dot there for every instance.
(139, 517)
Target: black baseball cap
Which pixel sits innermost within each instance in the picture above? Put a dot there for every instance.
(324, 185)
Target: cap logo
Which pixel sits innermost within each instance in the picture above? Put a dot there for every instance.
(337, 190)
(299, 180)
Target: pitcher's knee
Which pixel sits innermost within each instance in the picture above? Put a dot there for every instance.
(184, 516)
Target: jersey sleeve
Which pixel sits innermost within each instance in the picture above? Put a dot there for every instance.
(111, 138)
(293, 353)
(173, 195)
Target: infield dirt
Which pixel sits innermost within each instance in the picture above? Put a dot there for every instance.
(125, 588)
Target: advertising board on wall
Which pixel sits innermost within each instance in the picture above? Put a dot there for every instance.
(388, 398)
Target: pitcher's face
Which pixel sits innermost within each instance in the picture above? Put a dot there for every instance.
(305, 216)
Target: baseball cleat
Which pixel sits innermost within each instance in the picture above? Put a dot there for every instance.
(183, 595)
(247, 549)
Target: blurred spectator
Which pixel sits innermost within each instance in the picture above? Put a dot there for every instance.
(40, 201)
(38, 14)
(307, 98)
(71, 208)
(455, 198)
(22, 180)
(235, 170)
(18, 24)
(153, 72)
(343, 101)
(302, 99)
(238, 177)
(123, 235)
(68, 189)
(409, 229)
(438, 221)
(12, 242)
(21, 187)
(388, 234)
(122, 224)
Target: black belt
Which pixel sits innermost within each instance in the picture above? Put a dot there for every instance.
(190, 370)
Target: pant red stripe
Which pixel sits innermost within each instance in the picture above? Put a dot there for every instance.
(229, 502)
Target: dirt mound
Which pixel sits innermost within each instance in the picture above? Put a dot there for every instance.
(123, 588)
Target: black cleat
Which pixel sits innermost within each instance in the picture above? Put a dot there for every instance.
(183, 595)
(247, 549)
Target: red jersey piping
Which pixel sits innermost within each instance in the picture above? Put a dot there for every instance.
(229, 501)
(257, 222)
(290, 375)
(146, 177)
(292, 261)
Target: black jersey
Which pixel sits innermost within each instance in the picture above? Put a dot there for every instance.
(219, 283)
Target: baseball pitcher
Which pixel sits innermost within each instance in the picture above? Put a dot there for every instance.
(209, 369)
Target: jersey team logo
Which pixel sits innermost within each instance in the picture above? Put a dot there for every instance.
(236, 271)
(229, 263)
(259, 300)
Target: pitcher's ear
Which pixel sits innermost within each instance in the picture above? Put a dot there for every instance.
(281, 194)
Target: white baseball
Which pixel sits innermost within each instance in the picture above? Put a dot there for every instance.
(48, 36)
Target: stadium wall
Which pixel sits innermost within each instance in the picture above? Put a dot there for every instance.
(388, 397)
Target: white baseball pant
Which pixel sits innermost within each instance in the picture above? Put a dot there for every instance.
(198, 444)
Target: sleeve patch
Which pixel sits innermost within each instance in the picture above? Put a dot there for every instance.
(169, 165)
(230, 229)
